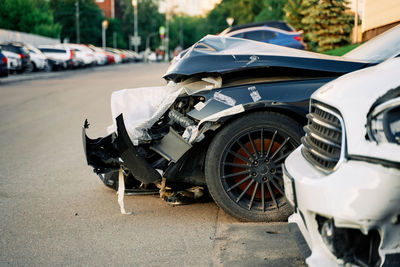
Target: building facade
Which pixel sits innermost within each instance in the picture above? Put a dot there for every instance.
(108, 7)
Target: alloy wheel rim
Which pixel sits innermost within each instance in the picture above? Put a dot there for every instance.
(251, 168)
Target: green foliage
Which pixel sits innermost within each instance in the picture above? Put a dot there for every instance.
(90, 19)
(293, 14)
(185, 31)
(149, 21)
(341, 50)
(31, 16)
(243, 11)
(326, 24)
(114, 32)
(272, 10)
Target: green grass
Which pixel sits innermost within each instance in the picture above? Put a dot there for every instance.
(341, 50)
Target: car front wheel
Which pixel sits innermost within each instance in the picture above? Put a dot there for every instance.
(244, 166)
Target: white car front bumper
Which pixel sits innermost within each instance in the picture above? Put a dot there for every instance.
(359, 197)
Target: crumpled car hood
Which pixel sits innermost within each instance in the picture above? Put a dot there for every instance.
(219, 54)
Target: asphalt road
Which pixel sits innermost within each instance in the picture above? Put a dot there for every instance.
(54, 211)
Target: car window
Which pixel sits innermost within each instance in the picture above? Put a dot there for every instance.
(259, 35)
(25, 50)
(256, 35)
(52, 50)
(268, 35)
(238, 35)
(10, 48)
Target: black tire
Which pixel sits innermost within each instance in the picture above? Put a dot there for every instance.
(30, 67)
(48, 67)
(245, 183)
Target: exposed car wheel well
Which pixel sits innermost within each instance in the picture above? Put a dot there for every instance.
(191, 171)
(281, 110)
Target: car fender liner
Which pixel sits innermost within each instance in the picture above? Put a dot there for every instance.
(138, 166)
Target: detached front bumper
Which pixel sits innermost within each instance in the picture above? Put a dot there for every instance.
(350, 215)
(107, 154)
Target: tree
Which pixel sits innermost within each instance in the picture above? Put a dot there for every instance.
(149, 21)
(243, 11)
(90, 19)
(293, 14)
(272, 10)
(31, 16)
(327, 24)
(185, 30)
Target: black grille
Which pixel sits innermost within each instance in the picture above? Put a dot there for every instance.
(323, 140)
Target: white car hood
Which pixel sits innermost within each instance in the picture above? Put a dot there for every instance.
(353, 95)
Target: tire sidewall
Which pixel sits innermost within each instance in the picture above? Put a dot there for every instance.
(223, 140)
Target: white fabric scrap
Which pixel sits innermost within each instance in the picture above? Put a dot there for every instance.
(141, 108)
(121, 192)
(227, 100)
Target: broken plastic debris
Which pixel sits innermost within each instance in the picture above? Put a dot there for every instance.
(218, 96)
(197, 133)
(187, 196)
(194, 85)
(255, 95)
(217, 81)
(121, 192)
(199, 106)
(188, 132)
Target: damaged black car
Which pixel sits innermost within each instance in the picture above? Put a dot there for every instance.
(231, 112)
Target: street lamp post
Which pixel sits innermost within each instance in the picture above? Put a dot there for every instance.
(135, 17)
(78, 37)
(104, 26)
(230, 21)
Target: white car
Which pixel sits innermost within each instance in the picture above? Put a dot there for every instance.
(84, 54)
(38, 59)
(99, 55)
(117, 56)
(14, 61)
(344, 180)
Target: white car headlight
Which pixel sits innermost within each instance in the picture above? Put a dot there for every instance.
(384, 121)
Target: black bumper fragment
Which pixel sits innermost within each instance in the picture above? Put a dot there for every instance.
(107, 154)
(138, 166)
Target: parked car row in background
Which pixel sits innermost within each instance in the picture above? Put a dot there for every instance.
(19, 57)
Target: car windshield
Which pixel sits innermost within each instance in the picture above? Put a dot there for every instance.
(380, 48)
